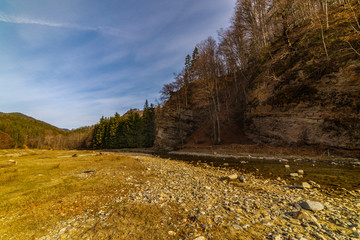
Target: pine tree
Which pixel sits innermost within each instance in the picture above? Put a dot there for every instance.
(148, 126)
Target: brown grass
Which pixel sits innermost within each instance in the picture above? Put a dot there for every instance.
(47, 187)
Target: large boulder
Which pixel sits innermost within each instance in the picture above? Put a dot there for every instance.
(311, 205)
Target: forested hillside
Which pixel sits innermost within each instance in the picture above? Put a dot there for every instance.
(18, 130)
(134, 129)
(285, 71)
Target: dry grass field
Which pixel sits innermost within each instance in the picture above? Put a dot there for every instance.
(39, 189)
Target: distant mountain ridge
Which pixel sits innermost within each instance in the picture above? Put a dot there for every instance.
(25, 131)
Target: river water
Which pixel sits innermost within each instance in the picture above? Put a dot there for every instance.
(333, 176)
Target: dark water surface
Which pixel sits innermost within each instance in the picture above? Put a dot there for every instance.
(333, 176)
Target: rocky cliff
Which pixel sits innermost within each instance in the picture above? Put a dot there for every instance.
(300, 96)
(173, 128)
(301, 89)
(325, 112)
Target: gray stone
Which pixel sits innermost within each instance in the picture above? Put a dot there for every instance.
(311, 205)
(236, 227)
(314, 184)
(302, 185)
(241, 178)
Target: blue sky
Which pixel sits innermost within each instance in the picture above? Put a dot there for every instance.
(70, 62)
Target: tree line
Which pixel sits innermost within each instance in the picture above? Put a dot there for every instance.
(218, 74)
(133, 129)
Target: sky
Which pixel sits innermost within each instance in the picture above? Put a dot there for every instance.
(70, 62)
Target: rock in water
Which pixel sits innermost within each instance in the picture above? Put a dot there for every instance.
(311, 205)
(300, 172)
(294, 174)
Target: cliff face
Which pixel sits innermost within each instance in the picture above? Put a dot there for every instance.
(323, 112)
(173, 128)
(301, 96)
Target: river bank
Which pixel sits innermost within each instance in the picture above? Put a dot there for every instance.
(204, 202)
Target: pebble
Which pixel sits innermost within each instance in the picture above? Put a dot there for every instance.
(246, 226)
(314, 184)
(232, 177)
(235, 226)
(241, 178)
(200, 238)
(302, 185)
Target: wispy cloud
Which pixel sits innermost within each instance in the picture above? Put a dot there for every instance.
(23, 20)
(31, 21)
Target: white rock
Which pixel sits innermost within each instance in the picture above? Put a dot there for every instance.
(294, 174)
(246, 226)
(301, 172)
(232, 177)
(287, 166)
(200, 238)
(171, 233)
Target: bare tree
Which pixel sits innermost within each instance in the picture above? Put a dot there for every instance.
(208, 67)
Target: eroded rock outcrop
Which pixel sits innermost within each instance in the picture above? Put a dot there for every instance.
(173, 128)
(323, 112)
(300, 95)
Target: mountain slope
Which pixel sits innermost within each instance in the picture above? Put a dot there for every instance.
(19, 130)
